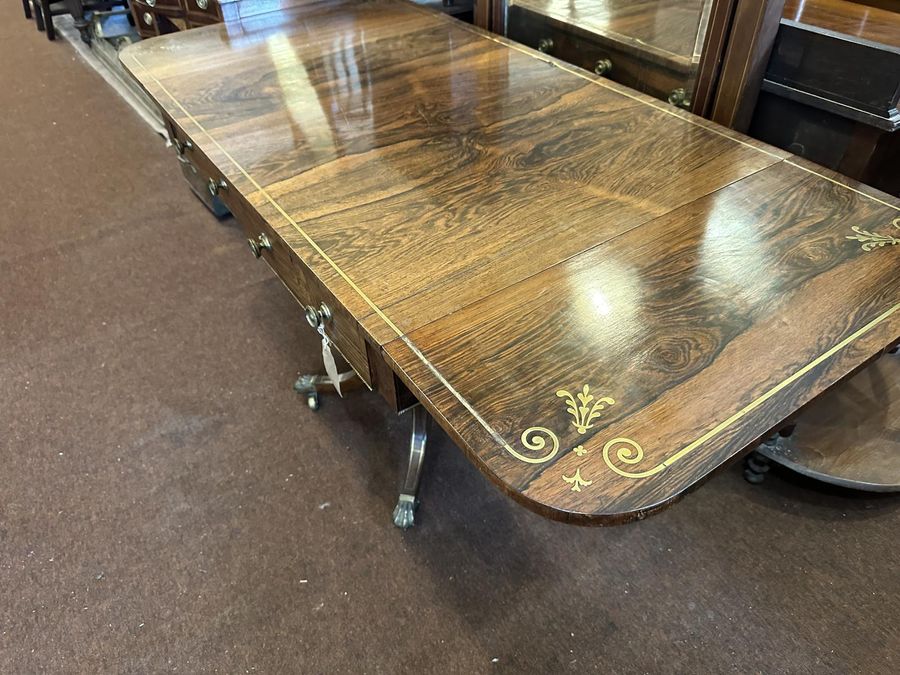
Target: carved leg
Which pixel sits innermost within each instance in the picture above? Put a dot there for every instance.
(404, 512)
(312, 385)
(756, 466)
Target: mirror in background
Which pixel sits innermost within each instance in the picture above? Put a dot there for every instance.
(653, 46)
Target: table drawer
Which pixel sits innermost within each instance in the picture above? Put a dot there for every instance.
(159, 4)
(203, 9)
(312, 294)
(340, 326)
(602, 55)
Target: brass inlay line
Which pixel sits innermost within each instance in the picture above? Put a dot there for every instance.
(533, 437)
(597, 80)
(636, 452)
(843, 185)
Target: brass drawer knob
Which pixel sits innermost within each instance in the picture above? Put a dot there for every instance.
(681, 98)
(151, 3)
(317, 317)
(545, 45)
(214, 186)
(603, 67)
(257, 245)
(202, 4)
(148, 18)
(180, 146)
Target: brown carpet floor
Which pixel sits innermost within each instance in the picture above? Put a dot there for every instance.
(168, 504)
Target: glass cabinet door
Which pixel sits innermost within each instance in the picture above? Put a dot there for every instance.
(650, 45)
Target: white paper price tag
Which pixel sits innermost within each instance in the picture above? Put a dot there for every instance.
(328, 359)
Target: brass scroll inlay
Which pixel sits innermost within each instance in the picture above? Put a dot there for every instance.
(873, 240)
(627, 452)
(535, 438)
(584, 407)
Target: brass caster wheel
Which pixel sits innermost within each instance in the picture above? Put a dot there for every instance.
(312, 400)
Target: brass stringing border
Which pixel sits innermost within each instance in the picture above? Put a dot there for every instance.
(629, 452)
(536, 438)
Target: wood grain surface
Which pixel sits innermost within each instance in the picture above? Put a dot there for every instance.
(505, 227)
(850, 18)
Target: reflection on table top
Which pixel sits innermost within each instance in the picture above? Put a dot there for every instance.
(517, 236)
(675, 27)
(850, 18)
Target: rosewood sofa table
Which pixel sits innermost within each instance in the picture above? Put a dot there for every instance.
(601, 298)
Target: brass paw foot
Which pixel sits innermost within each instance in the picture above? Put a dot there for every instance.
(404, 512)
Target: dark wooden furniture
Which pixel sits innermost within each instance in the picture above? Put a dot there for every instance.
(832, 89)
(159, 17)
(650, 45)
(601, 298)
(45, 10)
(850, 436)
(735, 54)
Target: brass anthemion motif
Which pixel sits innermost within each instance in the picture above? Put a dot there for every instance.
(584, 407)
(872, 240)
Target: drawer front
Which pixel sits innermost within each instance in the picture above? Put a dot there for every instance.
(341, 327)
(144, 19)
(159, 4)
(200, 20)
(597, 54)
(202, 10)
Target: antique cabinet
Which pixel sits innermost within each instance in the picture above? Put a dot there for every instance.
(832, 88)
(653, 46)
(158, 17)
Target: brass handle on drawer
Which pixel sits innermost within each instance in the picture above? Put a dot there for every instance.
(202, 4)
(180, 146)
(679, 97)
(214, 186)
(603, 66)
(545, 45)
(317, 317)
(148, 18)
(151, 3)
(257, 245)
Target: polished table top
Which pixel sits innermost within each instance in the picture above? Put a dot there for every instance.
(601, 298)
